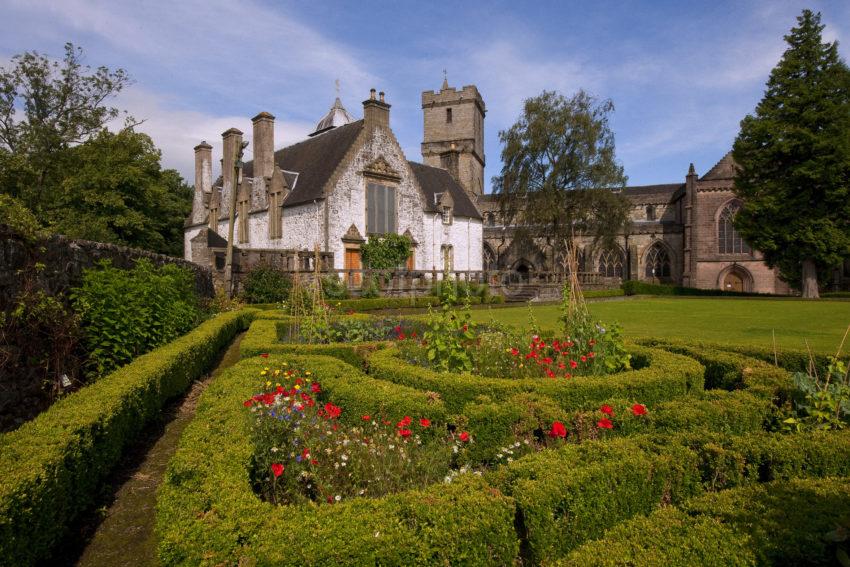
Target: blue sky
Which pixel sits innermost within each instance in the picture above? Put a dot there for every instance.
(681, 74)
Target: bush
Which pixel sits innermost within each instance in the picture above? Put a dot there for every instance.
(125, 313)
(19, 218)
(265, 284)
(634, 287)
(53, 466)
(333, 288)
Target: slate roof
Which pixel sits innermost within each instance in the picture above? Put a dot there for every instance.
(661, 193)
(726, 168)
(314, 160)
(435, 180)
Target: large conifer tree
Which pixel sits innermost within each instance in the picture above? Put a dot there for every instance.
(794, 156)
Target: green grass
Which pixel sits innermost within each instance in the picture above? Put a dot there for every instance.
(724, 320)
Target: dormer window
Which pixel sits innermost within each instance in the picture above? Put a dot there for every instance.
(446, 213)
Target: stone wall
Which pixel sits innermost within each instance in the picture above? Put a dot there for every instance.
(65, 259)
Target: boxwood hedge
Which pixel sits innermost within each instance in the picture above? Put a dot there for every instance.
(53, 465)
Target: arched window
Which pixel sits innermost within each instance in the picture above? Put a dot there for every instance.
(728, 239)
(489, 219)
(489, 258)
(657, 262)
(611, 263)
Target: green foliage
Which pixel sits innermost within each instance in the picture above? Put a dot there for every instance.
(369, 288)
(604, 340)
(334, 288)
(794, 158)
(124, 313)
(450, 290)
(822, 403)
(14, 214)
(386, 251)
(558, 171)
(634, 287)
(265, 284)
(447, 338)
(53, 466)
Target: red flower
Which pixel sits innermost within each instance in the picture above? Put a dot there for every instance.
(277, 469)
(332, 410)
(397, 328)
(605, 423)
(591, 342)
(607, 409)
(366, 418)
(314, 462)
(591, 354)
(558, 430)
(404, 432)
(464, 437)
(549, 373)
(401, 336)
(514, 351)
(573, 364)
(404, 422)
(425, 422)
(547, 360)
(247, 403)
(639, 409)
(465, 328)
(264, 355)
(315, 387)
(413, 335)
(583, 358)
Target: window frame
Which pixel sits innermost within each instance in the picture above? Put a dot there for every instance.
(391, 224)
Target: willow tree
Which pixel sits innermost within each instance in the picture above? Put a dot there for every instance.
(794, 155)
(559, 175)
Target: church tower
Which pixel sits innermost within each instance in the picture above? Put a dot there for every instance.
(454, 134)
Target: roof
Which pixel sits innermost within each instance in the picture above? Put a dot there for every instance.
(726, 168)
(434, 180)
(337, 116)
(314, 160)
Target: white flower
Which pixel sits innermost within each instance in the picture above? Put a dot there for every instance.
(337, 497)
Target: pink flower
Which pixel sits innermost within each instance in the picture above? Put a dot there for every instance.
(277, 469)
(639, 409)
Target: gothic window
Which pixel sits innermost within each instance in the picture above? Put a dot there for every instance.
(611, 263)
(380, 209)
(657, 262)
(489, 258)
(728, 239)
(448, 115)
(650, 212)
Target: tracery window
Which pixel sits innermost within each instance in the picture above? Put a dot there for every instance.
(611, 263)
(657, 262)
(728, 239)
(489, 258)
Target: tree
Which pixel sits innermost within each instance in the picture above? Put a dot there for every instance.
(794, 159)
(115, 191)
(559, 172)
(46, 107)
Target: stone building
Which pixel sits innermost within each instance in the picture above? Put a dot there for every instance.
(350, 179)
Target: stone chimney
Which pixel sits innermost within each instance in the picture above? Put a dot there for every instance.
(263, 145)
(376, 112)
(231, 141)
(203, 179)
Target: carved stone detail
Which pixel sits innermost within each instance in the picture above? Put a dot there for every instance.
(353, 235)
(381, 169)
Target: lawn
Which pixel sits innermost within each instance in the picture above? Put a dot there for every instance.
(727, 320)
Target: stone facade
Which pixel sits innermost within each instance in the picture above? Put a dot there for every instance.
(323, 195)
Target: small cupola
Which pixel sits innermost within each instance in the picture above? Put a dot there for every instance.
(336, 116)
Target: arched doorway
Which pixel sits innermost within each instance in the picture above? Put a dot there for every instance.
(735, 279)
(522, 271)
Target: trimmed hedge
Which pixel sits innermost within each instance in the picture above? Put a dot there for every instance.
(634, 287)
(208, 514)
(665, 377)
(264, 337)
(53, 465)
(781, 523)
(400, 302)
(600, 293)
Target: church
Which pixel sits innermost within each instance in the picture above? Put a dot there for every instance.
(350, 180)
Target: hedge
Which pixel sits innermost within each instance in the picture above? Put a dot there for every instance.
(634, 287)
(577, 492)
(264, 337)
(423, 302)
(780, 523)
(207, 513)
(667, 376)
(53, 465)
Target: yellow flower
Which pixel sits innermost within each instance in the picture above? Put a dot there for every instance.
(297, 386)
(268, 384)
(286, 364)
(263, 373)
(308, 373)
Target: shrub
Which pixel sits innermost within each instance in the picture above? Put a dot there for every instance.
(334, 288)
(265, 284)
(124, 313)
(386, 251)
(369, 288)
(53, 465)
(634, 287)
(19, 218)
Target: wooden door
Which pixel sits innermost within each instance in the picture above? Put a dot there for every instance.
(352, 262)
(733, 282)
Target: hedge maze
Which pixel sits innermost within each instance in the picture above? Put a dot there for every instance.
(698, 480)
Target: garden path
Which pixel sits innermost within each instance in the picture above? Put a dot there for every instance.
(125, 532)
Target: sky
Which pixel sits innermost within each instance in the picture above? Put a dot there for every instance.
(681, 73)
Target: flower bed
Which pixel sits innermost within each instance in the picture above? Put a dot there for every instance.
(53, 466)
